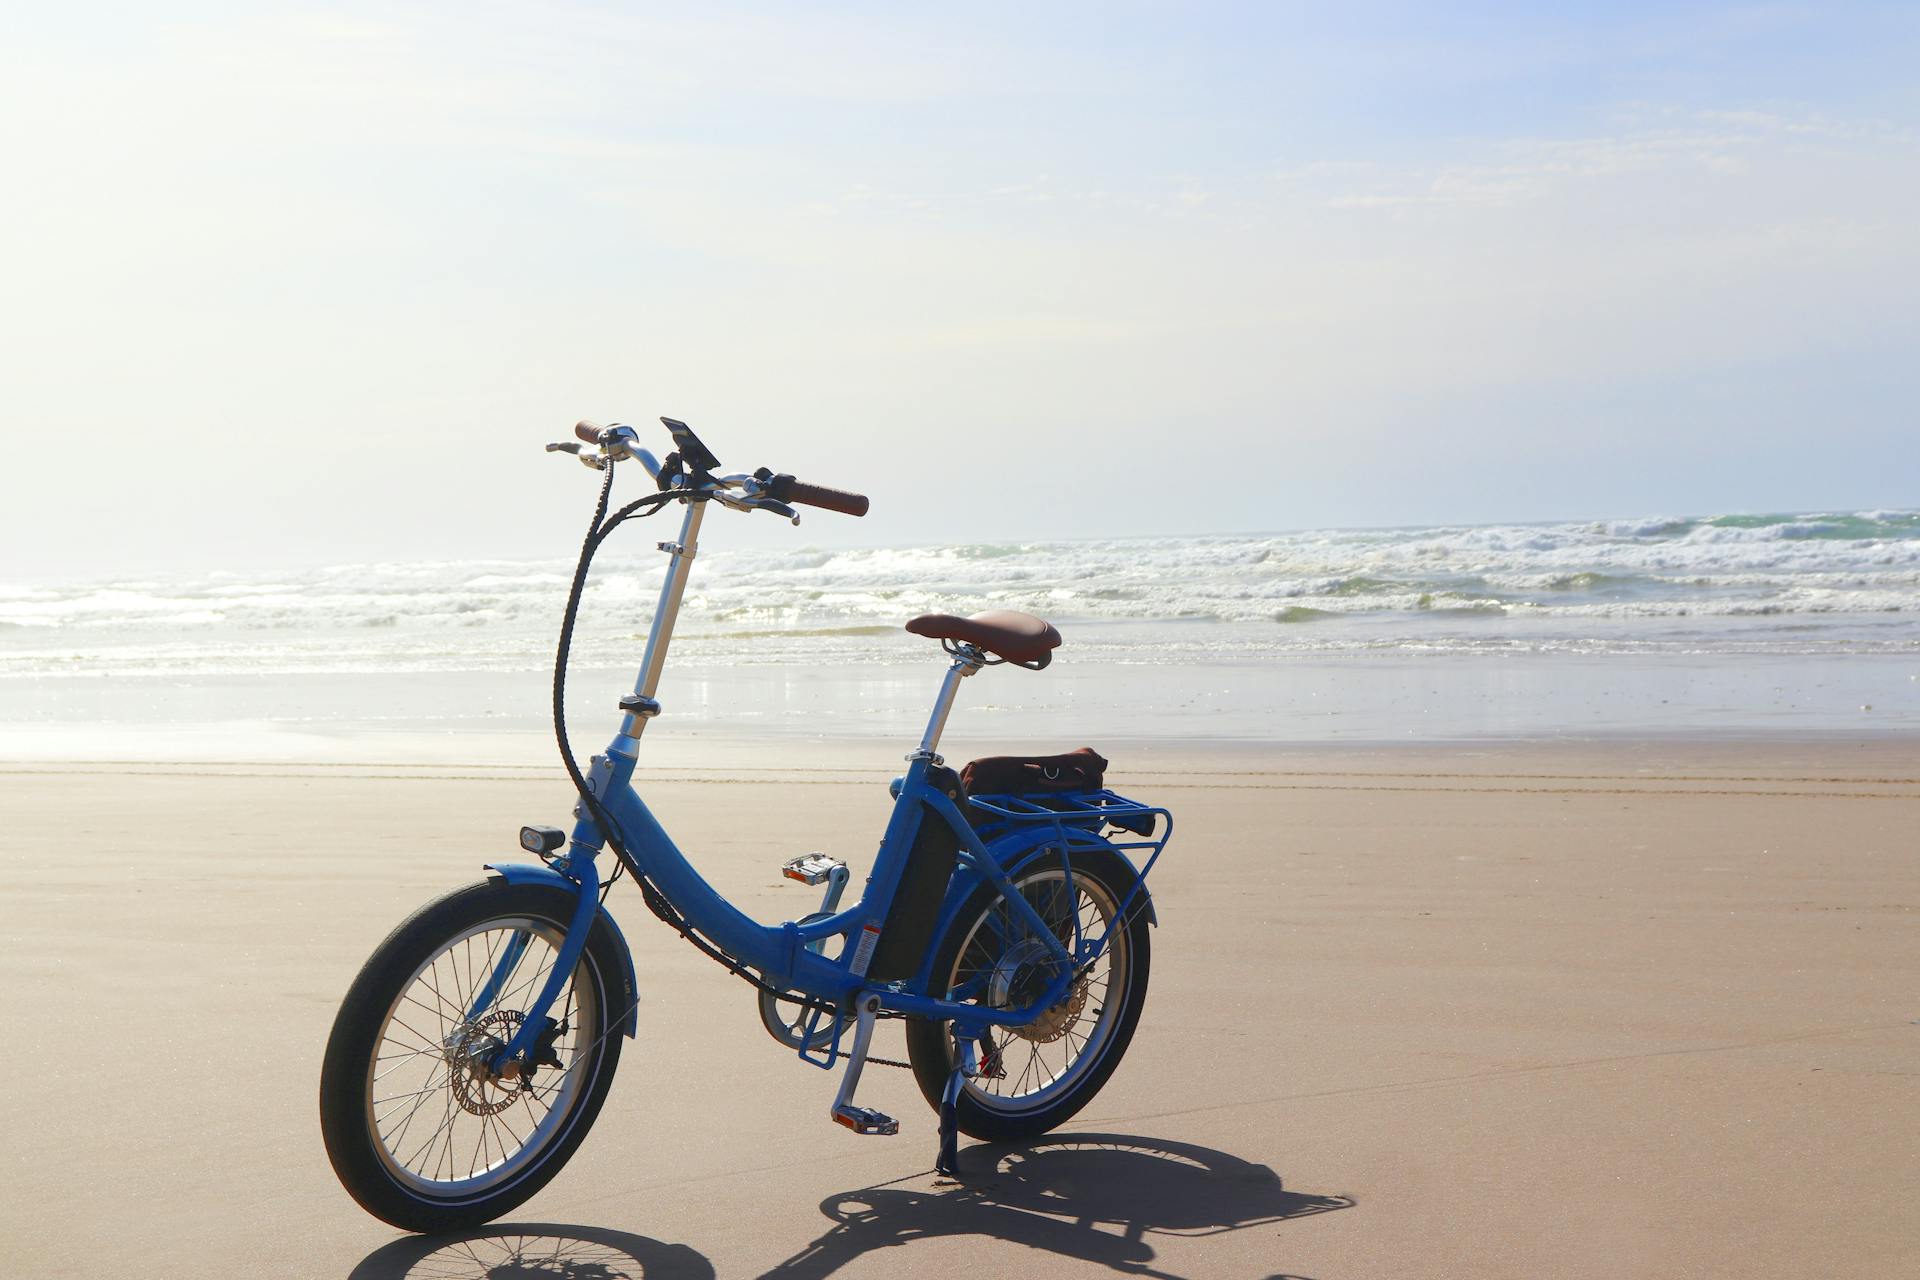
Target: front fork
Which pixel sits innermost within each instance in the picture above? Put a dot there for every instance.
(579, 868)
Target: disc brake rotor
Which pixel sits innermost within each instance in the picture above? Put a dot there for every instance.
(1058, 1020)
(478, 1091)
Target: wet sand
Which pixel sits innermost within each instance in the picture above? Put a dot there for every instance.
(1557, 1010)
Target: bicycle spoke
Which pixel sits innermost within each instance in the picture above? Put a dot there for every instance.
(432, 975)
(406, 1123)
(518, 1141)
(475, 1161)
(401, 1097)
(424, 1041)
(429, 1009)
(434, 1137)
(508, 997)
(403, 1055)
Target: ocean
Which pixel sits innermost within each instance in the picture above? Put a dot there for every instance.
(1732, 623)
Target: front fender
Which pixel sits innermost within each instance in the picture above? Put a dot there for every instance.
(530, 873)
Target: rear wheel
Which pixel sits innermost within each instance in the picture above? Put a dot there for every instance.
(1036, 1077)
(418, 1128)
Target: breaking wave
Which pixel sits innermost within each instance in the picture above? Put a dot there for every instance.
(1783, 581)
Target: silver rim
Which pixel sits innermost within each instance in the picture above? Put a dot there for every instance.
(440, 1127)
(1004, 962)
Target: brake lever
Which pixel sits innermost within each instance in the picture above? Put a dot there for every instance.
(749, 503)
(754, 488)
(588, 458)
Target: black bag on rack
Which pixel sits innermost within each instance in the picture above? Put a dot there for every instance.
(1082, 770)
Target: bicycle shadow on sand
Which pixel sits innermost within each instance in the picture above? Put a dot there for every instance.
(533, 1251)
(1095, 1197)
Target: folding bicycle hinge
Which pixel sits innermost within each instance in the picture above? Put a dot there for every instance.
(862, 1120)
(965, 1066)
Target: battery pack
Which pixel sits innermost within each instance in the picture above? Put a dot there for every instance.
(916, 903)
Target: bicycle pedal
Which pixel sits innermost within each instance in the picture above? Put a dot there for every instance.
(810, 868)
(865, 1120)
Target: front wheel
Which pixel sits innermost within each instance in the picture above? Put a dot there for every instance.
(1035, 1077)
(418, 1128)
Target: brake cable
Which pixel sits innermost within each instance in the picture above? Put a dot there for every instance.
(597, 531)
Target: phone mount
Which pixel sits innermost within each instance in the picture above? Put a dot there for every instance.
(695, 454)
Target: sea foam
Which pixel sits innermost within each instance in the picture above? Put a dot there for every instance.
(1846, 581)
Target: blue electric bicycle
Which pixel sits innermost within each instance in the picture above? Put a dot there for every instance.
(1005, 919)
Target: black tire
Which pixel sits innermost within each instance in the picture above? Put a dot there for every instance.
(987, 1108)
(408, 977)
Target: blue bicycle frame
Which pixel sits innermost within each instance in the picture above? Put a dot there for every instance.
(791, 956)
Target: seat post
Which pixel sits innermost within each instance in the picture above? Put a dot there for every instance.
(966, 661)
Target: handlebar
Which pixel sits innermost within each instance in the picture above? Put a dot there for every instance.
(785, 488)
(763, 490)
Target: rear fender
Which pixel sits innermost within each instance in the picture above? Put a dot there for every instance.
(1014, 852)
(529, 873)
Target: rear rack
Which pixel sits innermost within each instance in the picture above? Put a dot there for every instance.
(1074, 816)
(1075, 807)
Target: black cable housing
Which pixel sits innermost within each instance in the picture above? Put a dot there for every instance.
(597, 532)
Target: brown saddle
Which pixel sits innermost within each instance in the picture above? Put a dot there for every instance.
(1017, 637)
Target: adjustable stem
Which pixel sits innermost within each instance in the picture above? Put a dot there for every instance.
(665, 614)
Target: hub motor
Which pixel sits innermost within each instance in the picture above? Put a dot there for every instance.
(1021, 975)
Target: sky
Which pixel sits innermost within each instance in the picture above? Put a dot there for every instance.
(296, 285)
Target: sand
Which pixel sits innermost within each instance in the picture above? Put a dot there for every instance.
(1551, 1010)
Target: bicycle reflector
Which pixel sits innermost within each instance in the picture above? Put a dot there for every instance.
(541, 840)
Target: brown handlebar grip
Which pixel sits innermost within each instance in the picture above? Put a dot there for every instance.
(588, 431)
(814, 495)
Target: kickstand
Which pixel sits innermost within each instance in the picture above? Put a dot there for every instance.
(947, 1164)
